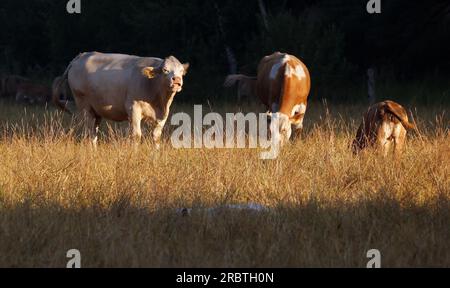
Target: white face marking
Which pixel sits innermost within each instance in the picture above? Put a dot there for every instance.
(277, 66)
(297, 72)
(280, 127)
(173, 70)
(178, 72)
(298, 109)
(175, 73)
(301, 109)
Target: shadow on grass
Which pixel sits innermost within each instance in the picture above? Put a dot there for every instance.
(301, 235)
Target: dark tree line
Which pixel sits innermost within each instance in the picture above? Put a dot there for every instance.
(337, 39)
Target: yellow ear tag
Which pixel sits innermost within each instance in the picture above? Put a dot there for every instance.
(148, 72)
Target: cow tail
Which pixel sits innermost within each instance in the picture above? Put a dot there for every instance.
(56, 89)
(234, 78)
(403, 119)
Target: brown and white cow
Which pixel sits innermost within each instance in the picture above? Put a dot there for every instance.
(384, 124)
(282, 84)
(121, 87)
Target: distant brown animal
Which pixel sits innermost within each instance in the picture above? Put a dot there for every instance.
(9, 84)
(33, 93)
(384, 124)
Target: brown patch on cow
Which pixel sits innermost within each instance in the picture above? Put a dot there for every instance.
(384, 124)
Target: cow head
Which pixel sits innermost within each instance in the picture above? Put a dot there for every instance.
(280, 127)
(281, 124)
(171, 72)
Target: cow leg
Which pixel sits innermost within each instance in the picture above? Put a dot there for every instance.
(95, 129)
(384, 145)
(387, 148)
(158, 131)
(384, 137)
(135, 118)
(399, 141)
(92, 123)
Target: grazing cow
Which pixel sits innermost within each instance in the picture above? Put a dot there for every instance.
(9, 84)
(384, 124)
(282, 84)
(122, 87)
(33, 93)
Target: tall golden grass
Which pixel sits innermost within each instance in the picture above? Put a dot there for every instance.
(118, 204)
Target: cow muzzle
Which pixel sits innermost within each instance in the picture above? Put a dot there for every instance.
(176, 84)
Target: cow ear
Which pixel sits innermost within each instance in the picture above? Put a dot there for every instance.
(186, 67)
(297, 117)
(149, 72)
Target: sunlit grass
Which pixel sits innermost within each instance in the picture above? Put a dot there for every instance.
(117, 204)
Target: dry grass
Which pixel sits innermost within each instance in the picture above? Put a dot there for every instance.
(327, 207)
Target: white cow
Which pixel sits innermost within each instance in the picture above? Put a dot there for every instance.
(122, 87)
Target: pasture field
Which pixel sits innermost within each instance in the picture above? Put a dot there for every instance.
(118, 204)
